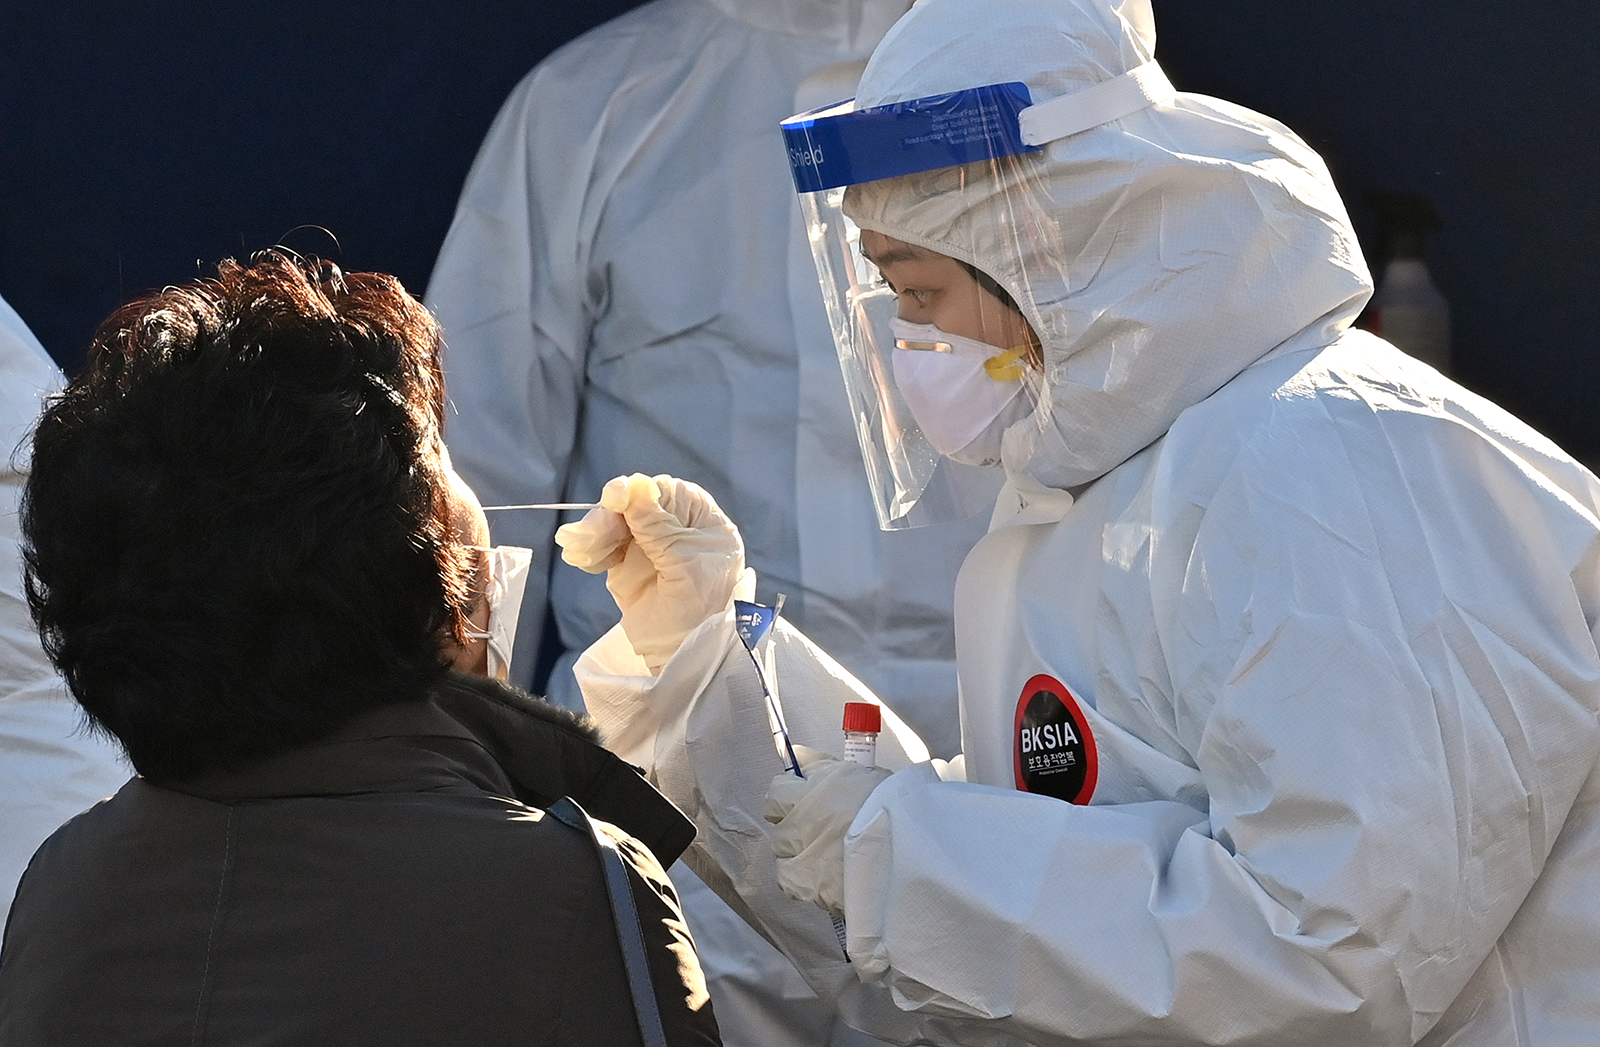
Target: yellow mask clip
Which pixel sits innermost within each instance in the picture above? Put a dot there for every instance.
(1007, 366)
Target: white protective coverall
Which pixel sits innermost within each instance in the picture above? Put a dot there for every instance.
(51, 766)
(626, 286)
(1321, 621)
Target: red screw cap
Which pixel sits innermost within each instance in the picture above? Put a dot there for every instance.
(862, 716)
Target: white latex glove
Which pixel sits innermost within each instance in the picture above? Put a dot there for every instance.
(671, 558)
(811, 816)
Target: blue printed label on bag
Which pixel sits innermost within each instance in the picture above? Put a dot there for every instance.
(753, 621)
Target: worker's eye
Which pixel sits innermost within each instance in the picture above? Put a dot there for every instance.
(916, 294)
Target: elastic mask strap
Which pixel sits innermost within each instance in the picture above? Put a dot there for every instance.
(1007, 367)
(1106, 101)
(488, 590)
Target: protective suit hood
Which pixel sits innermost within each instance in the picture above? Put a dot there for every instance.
(851, 26)
(1157, 256)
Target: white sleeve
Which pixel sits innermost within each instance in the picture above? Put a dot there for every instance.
(509, 290)
(700, 729)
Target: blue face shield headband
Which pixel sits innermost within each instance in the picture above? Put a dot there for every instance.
(839, 145)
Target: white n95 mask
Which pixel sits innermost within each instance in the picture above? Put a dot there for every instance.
(508, 577)
(963, 393)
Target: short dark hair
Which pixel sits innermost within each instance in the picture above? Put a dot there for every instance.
(237, 523)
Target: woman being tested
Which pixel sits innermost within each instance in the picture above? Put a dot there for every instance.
(250, 558)
(1278, 668)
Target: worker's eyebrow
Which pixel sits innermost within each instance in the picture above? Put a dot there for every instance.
(898, 253)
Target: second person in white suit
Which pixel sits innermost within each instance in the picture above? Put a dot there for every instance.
(627, 286)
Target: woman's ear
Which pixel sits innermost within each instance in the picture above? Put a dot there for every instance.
(469, 528)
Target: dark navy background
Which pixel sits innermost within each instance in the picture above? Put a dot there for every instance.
(141, 142)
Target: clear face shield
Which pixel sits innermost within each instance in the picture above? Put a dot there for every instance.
(939, 358)
(946, 260)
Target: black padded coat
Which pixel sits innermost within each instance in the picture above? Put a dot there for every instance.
(395, 884)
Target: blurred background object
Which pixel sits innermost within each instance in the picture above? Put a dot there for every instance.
(1407, 308)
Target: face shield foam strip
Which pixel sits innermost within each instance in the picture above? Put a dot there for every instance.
(1106, 101)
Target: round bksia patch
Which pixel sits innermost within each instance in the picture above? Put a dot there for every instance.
(1055, 753)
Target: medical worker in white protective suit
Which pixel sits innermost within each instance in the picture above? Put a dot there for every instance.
(51, 766)
(1278, 666)
(627, 286)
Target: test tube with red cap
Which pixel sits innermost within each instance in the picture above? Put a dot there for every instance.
(862, 722)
